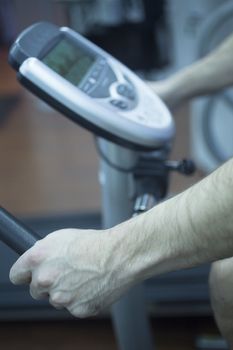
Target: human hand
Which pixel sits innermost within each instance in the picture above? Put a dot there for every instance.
(76, 269)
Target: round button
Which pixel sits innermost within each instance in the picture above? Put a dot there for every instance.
(126, 91)
(121, 89)
(119, 104)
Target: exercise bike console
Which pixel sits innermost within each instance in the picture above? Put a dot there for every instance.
(90, 87)
(98, 92)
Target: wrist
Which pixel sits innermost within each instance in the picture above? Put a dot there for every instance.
(170, 90)
(180, 87)
(125, 248)
(154, 242)
(136, 248)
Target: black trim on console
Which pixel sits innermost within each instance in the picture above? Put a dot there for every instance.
(37, 37)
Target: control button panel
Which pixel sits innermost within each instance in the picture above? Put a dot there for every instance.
(127, 91)
(98, 69)
(109, 86)
(97, 83)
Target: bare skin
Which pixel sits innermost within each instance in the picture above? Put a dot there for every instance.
(221, 284)
(208, 75)
(85, 271)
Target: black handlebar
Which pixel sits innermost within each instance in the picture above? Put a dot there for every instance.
(14, 234)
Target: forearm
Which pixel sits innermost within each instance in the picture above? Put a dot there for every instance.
(208, 75)
(86, 271)
(192, 228)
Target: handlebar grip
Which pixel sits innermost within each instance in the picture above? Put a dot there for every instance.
(14, 234)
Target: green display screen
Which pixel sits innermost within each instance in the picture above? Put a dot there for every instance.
(69, 61)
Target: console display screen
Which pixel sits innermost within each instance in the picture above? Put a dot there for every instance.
(69, 60)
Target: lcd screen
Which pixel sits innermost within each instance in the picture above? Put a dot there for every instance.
(69, 60)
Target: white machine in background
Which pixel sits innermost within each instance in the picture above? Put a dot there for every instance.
(197, 27)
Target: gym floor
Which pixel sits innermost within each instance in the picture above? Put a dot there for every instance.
(170, 334)
(49, 166)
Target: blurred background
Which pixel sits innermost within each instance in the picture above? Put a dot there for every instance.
(49, 165)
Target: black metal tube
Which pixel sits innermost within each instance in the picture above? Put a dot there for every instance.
(14, 234)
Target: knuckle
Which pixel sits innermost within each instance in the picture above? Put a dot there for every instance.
(93, 309)
(38, 296)
(33, 285)
(34, 258)
(33, 293)
(78, 312)
(37, 254)
(56, 298)
(44, 281)
(84, 311)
